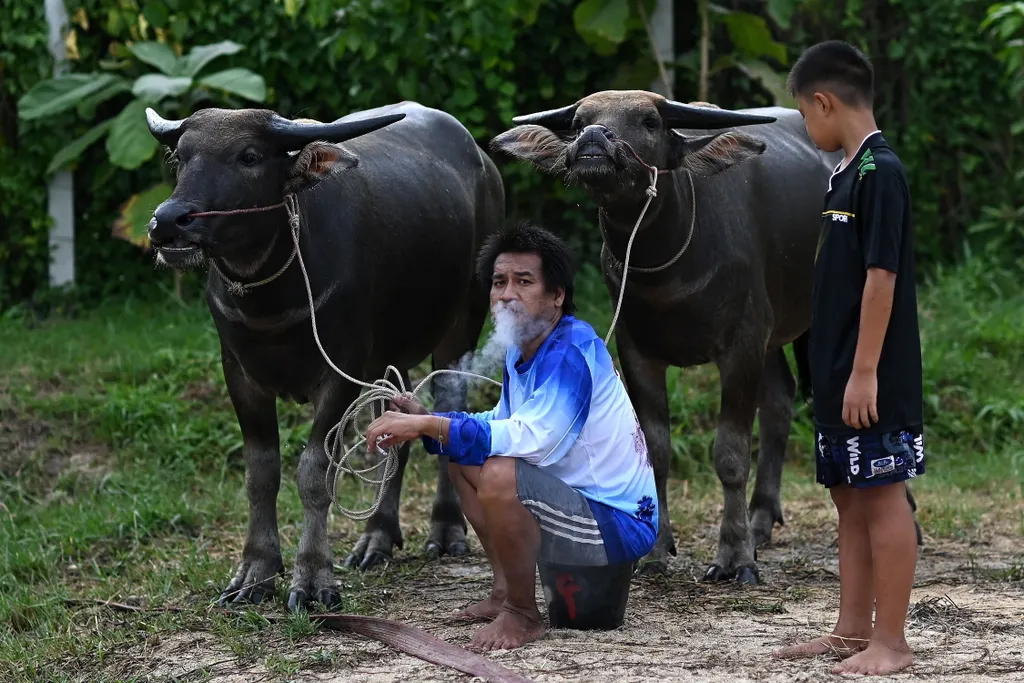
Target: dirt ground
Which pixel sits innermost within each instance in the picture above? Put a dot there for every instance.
(966, 624)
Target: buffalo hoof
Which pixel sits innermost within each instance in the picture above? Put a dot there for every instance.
(254, 595)
(748, 576)
(447, 538)
(330, 598)
(370, 560)
(652, 568)
(253, 582)
(435, 550)
(718, 574)
(373, 549)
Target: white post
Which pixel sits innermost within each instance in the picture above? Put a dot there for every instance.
(61, 186)
(664, 41)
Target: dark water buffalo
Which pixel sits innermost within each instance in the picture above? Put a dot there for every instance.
(390, 226)
(737, 294)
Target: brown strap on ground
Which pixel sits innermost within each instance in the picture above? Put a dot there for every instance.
(413, 641)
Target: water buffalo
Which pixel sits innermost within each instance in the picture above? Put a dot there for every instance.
(720, 271)
(390, 224)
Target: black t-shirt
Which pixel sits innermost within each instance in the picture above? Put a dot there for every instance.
(867, 222)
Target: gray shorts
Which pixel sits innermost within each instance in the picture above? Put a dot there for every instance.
(569, 534)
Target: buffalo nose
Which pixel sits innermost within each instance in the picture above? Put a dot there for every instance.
(596, 131)
(168, 221)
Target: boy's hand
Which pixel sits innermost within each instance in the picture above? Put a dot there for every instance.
(860, 403)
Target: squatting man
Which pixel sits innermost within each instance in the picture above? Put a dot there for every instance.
(558, 470)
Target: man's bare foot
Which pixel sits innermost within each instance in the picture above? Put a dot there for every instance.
(485, 610)
(509, 630)
(877, 660)
(843, 646)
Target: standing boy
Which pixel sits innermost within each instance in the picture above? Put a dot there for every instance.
(865, 357)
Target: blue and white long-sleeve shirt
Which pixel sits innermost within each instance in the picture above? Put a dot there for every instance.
(567, 411)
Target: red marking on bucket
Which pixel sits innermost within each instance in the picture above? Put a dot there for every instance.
(566, 586)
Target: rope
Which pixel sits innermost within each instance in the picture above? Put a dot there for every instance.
(242, 288)
(379, 390)
(651, 192)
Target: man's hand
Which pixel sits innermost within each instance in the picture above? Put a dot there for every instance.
(407, 403)
(860, 403)
(400, 427)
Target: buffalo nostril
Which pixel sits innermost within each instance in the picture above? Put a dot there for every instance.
(184, 220)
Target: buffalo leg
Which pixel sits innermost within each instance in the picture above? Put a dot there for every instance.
(775, 415)
(645, 382)
(256, 412)
(383, 533)
(741, 372)
(447, 523)
(313, 576)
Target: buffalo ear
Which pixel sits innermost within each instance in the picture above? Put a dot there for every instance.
(708, 155)
(317, 161)
(535, 144)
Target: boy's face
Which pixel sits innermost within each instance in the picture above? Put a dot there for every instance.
(822, 120)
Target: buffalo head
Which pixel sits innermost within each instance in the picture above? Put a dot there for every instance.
(593, 141)
(241, 159)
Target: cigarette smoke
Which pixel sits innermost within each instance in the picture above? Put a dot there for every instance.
(511, 326)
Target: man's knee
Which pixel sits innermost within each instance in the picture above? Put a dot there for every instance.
(498, 480)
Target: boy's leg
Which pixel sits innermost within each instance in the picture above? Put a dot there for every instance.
(890, 526)
(467, 481)
(853, 628)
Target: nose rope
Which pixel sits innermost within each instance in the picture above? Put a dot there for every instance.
(238, 288)
(624, 267)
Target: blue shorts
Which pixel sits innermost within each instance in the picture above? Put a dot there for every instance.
(866, 460)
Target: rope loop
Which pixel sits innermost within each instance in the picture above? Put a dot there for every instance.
(380, 392)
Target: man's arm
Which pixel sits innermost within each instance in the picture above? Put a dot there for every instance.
(542, 429)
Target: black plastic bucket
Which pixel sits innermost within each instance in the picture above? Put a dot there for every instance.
(586, 598)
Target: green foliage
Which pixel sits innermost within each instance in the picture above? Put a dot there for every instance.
(177, 89)
(943, 101)
(24, 220)
(947, 76)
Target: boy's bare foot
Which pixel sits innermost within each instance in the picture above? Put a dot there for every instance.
(485, 610)
(843, 646)
(877, 660)
(509, 630)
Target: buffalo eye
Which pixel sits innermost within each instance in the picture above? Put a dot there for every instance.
(651, 123)
(248, 158)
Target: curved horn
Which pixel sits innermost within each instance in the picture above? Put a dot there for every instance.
(294, 135)
(164, 130)
(553, 119)
(679, 115)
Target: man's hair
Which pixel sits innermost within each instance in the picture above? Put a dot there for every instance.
(557, 266)
(837, 67)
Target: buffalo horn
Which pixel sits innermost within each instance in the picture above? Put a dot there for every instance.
(164, 130)
(679, 115)
(294, 135)
(552, 119)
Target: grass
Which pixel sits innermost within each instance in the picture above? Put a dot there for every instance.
(121, 476)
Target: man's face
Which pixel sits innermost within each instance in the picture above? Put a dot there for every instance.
(820, 118)
(517, 285)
